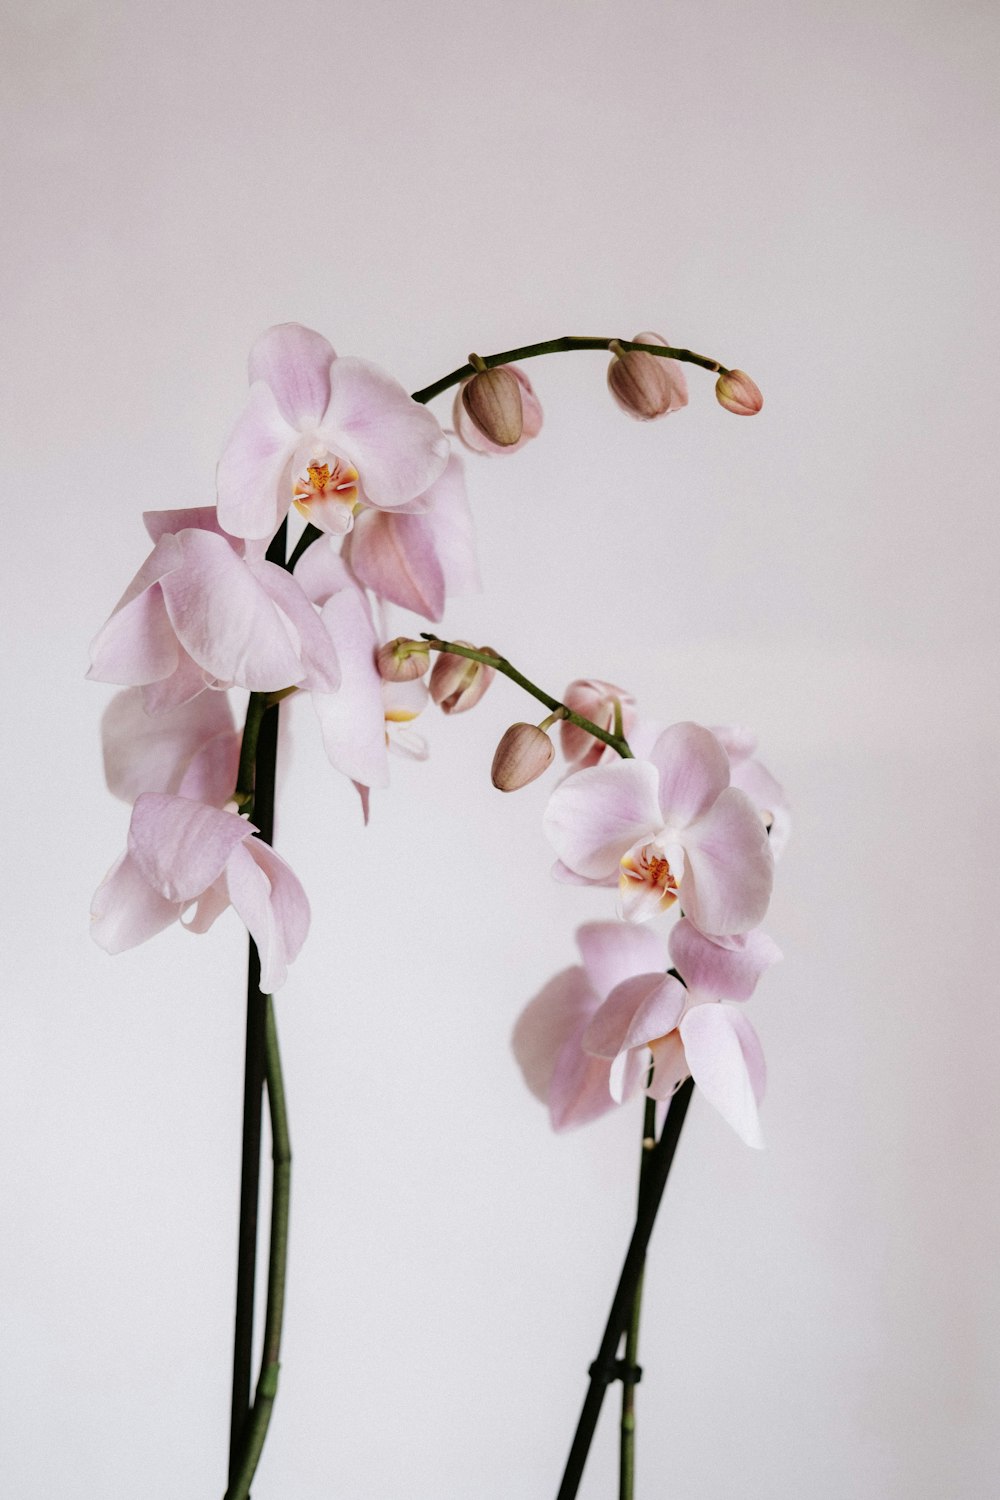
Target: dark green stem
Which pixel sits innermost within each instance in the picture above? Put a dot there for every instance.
(255, 1430)
(563, 346)
(501, 664)
(626, 1451)
(305, 541)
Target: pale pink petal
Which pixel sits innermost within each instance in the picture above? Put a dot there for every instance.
(186, 682)
(636, 1012)
(728, 972)
(593, 700)
(469, 434)
(137, 644)
(126, 910)
(566, 876)
(409, 744)
(595, 816)
(195, 517)
(288, 906)
(628, 1070)
(560, 1009)
(450, 519)
(730, 867)
(147, 754)
(253, 489)
(693, 770)
(581, 1087)
(311, 639)
(738, 742)
(394, 443)
(395, 556)
(181, 847)
(295, 363)
(768, 796)
(224, 618)
(613, 951)
(211, 776)
(321, 571)
(352, 720)
(211, 904)
(753, 1052)
(670, 1067)
(716, 1059)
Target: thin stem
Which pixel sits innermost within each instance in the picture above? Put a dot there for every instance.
(603, 1370)
(281, 1157)
(626, 1451)
(501, 664)
(563, 346)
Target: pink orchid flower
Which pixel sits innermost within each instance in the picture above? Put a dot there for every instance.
(469, 434)
(747, 773)
(594, 700)
(199, 614)
(547, 1038)
(667, 827)
(325, 434)
(182, 854)
(688, 1031)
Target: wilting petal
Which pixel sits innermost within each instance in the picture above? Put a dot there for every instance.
(636, 1012)
(596, 815)
(712, 1042)
(394, 443)
(730, 868)
(254, 494)
(613, 951)
(181, 847)
(273, 906)
(315, 649)
(295, 363)
(693, 770)
(126, 910)
(147, 754)
(224, 618)
(728, 972)
(352, 720)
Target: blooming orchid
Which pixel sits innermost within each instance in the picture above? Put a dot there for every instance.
(686, 1030)
(326, 434)
(666, 828)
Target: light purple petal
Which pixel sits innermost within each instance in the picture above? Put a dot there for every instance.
(254, 492)
(126, 910)
(636, 1012)
(352, 720)
(613, 951)
(730, 868)
(147, 754)
(224, 618)
(181, 847)
(693, 770)
(596, 815)
(313, 645)
(394, 443)
(295, 363)
(728, 972)
(716, 1059)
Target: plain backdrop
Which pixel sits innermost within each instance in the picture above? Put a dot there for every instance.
(805, 190)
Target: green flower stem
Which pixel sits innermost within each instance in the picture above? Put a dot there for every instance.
(255, 1430)
(501, 664)
(311, 534)
(563, 346)
(605, 1366)
(626, 1450)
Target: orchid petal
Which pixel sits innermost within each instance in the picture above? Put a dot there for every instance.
(211, 904)
(273, 906)
(195, 517)
(545, 1024)
(352, 720)
(395, 556)
(147, 754)
(531, 420)
(738, 742)
(321, 571)
(315, 649)
(730, 867)
(127, 910)
(180, 846)
(580, 1089)
(566, 876)
(253, 491)
(211, 776)
(596, 815)
(614, 951)
(636, 1012)
(726, 972)
(718, 1065)
(295, 363)
(670, 1066)
(394, 443)
(693, 770)
(185, 683)
(768, 796)
(137, 644)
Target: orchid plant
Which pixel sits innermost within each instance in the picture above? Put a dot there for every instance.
(680, 820)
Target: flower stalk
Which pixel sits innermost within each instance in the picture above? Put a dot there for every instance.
(630, 1376)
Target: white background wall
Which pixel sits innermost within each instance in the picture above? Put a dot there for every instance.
(804, 190)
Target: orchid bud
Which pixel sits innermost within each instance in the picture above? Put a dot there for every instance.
(646, 385)
(594, 700)
(402, 660)
(737, 393)
(523, 754)
(473, 422)
(457, 684)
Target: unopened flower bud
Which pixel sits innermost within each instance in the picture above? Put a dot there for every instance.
(737, 393)
(597, 701)
(402, 660)
(646, 385)
(523, 754)
(493, 400)
(457, 684)
(473, 425)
